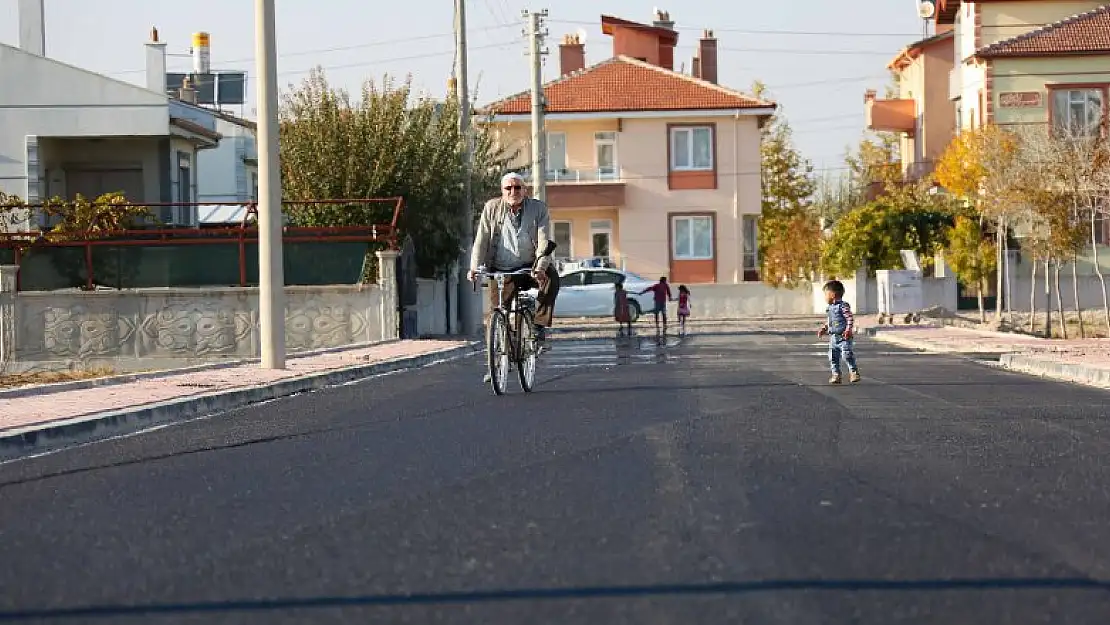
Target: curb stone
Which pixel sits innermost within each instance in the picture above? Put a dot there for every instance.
(1066, 371)
(99, 426)
(125, 378)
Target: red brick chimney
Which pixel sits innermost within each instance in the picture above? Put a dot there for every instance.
(652, 43)
(572, 55)
(695, 67)
(706, 61)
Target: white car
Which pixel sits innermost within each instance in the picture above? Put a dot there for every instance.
(588, 292)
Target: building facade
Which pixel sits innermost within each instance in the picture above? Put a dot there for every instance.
(647, 168)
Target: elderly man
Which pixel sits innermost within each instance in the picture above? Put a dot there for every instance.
(512, 234)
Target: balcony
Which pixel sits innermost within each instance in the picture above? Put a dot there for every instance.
(891, 115)
(955, 84)
(583, 188)
(578, 176)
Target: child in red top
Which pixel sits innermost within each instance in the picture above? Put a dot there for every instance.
(683, 307)
(621, 310)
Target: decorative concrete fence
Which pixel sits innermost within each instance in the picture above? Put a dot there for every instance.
(747, 299)
(146, 329)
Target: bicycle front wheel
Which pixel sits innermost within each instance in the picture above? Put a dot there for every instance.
(527, 348)
(498, 350)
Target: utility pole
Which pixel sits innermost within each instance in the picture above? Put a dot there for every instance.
(536, 35)
(271, 273)
(469, 303)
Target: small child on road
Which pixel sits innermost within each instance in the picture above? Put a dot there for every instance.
(621, 311)
(840, 328)
(683, 308)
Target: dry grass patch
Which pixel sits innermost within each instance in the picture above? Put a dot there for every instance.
(13, 380)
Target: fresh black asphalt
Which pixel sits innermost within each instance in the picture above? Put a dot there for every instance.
(719, 480)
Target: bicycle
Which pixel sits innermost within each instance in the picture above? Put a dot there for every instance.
(511, 333)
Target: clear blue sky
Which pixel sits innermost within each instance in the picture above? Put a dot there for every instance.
(817, 72)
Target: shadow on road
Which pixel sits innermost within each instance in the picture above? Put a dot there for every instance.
(543, 594)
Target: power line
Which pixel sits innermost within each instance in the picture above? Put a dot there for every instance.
(749, 31)
(426, 55)
(357, 46)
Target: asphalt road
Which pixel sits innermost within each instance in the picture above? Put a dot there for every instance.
(717, 481)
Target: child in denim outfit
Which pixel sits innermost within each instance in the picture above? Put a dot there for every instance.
(841, 328)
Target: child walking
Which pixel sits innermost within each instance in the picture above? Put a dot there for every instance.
(840, 328)
(621, 310)
(683, 308)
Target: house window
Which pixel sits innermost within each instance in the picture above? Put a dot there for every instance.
(254, 186)
(692, 148)
(1079, 112)
(556, 155)
(561, 234)
(601, 235)
(692, 237)
(751, 247)
(605, 147)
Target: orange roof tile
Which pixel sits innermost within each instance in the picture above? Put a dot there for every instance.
(625, 84)
(1084, 33)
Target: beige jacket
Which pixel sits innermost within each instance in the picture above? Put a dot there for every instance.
(488, 234)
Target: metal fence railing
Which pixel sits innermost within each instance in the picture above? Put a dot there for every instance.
(198, 257)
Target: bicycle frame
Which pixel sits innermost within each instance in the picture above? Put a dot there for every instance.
(507, 316)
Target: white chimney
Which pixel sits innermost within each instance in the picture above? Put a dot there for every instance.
(32, 26)
(155, 63)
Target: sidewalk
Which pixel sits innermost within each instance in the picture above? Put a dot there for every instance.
(1085, 361)
(38, 418)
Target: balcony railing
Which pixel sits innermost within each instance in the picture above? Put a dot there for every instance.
(573, 176)
(955, 84)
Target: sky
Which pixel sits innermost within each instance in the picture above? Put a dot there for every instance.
(817, 57)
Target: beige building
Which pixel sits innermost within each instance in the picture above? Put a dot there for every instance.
(648, 168)
(920, 112)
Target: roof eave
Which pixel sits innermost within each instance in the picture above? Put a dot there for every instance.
(761, 111)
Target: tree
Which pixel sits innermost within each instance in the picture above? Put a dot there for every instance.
(980, 166)
(388, 143)
(834, 197)
(874, 234)
(81, 219)
(1079, 167)
(789, 230)
(971, 256)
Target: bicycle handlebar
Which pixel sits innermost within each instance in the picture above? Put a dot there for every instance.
(482, 273)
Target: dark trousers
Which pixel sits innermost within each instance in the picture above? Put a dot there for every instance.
(545, 308)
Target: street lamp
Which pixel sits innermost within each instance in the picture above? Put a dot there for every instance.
(271, 274)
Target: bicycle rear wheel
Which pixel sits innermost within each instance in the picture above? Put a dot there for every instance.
(498, 350)
(527, 348)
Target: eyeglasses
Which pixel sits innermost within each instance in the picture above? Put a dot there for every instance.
(515, 187)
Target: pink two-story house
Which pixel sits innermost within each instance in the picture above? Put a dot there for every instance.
(648, 168)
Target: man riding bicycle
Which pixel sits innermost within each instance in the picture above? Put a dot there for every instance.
(512, 234)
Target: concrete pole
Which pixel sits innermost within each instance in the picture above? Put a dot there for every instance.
(469, 307)
(271, 273)
(539, 138)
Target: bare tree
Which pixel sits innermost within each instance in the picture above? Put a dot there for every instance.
(1080, 165)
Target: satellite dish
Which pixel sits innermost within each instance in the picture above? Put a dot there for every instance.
(581, 32)
(926, 9)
